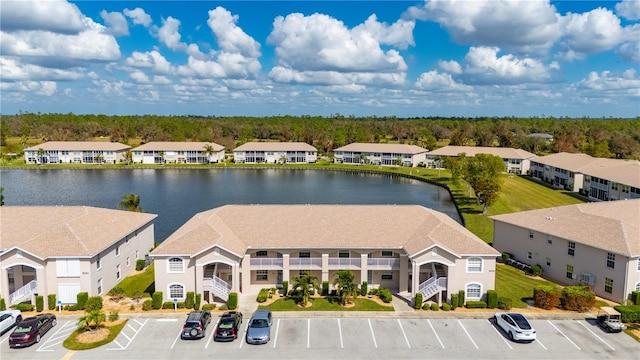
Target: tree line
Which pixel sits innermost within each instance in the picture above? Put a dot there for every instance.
(602, 137)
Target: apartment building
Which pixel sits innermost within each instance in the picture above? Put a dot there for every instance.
(380, 154)
(275, 152)
(76, 152)
(178, 152)
(516, 161)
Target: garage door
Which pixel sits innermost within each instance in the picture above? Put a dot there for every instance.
(68, 293)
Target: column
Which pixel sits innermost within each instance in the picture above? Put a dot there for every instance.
(325, 267)
(246, 274)
(285, 269)
(404, 273)
(18, 281)
(364, 268)
(199, 278)
(235, 277)
(4, 284)
(415, 278)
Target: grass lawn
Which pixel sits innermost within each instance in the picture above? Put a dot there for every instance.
(142, 282)
(514, 284)
(72, 342)
(326, 304)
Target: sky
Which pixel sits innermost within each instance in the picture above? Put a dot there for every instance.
(446, 58)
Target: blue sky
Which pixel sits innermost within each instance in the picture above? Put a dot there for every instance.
(363, 58)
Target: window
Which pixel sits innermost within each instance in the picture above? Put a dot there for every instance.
(100, 286)
(569, 271)
(611, 260)
(262, 275)
(386, 253)
(387, 276)
(548, 261)
(638, 265)
(343, 253)
(474, 265)
(638, 286)
(176, 291)
(549, 240)
(98, 262)
(175, 265)
(137, 254)
(128, 261)
(529, 255)
(304, 254)
(474, 291)
(68, 267)
(571, 249)
(118, 272)
(261, 253)
(608, 285)
(530, 234)
(117, 250)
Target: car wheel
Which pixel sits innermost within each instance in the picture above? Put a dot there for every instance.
(18, 319)
(510, 336)
(38, 338)
(495, 319)
(54, 322)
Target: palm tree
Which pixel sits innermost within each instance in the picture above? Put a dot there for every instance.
(161, 155)
(307, 284)
(345, 285)
(41, 153)
(208, 151)
(99, 158)
(130, 202)
(128, 156)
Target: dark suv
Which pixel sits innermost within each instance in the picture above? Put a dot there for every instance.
(228, 326)
(196, 324)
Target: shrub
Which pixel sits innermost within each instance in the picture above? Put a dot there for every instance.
(51, 301)
(454, 301)
(117, 293)
(363, 288)
(446, 307)
(3, 305)
(546, 296)
(629, 313)
(461, 298)
(156, 300)
(426, 306)
(140, 264)
(224, 307)
(505, 256)
(22, 307)
(232, 302)
(385, 295)
(476, 305)
(132, 307)
(435, 307)
(285, 287)
(70, 308)
(39, 303)
(263, 295)
(81, 300)
(373, 291)
(577, 298)
(147, 305)
(93, 303)
(418, 301)
(168, 305)
(136, 296)
(196, 305)
(189, 301)
(505, 303)
(325, 288)
(208, 306)
(635, 297)
(181, 305)
(536, 270)
(492, 299)
(113, 316)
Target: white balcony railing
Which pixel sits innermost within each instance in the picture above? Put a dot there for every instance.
(383, 263)
(305, 263)
(266, 263)
(218, 287)
(345, 263)
(23, 293)
(432, 286)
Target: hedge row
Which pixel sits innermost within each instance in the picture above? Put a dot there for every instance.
(263, 295)
(629, 313)
(575, 298)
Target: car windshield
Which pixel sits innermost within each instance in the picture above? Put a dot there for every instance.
(259, 323)
(192, 324)
(521, 321)
(226, 325)
(22, 329)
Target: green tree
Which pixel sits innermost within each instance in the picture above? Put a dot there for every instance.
(483, 174)
(161, 155)
(208, 151)
(346, 286)
(94, 317)
(306, 284)
(41, 154)
(130, 202)
(128, 156)
(456, 164)
(99, 159)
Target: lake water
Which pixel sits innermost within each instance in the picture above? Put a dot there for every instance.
(175, 195)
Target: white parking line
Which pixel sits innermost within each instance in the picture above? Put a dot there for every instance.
(246, 327)
(466, 332)
(308, 331)
(404, 334)
(215, 326)
(162, 320)
(176, 339)
(435, 333)
(540, 343)
(129, 339)
(340, 332)
(372, 334)
(596, 335)
(499, 333)
(63, 330)
(565, 336)
(275, 339)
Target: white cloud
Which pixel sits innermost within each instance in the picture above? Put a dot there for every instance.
(151, 60)
(451, 66)
(287, 75)
(139, 77)
(240, 84)
(116, 21)
(45, 88)
(231, 38)
(629, 82)
(56, 16)
(436, 81)
(483, 66)
(168, 34)
(629, 9)
(399, 34)
(10, 69)
(138, 16)
(592, 32)
(630, 51)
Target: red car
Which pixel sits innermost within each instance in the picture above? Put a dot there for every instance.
(31, 330)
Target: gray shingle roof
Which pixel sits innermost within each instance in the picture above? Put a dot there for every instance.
(275, 146)
(503, 152)
(383, 148)
(239, 227)
(177, 146)
(78, 231)
(617, 170)
(610, 225)
(80, 146)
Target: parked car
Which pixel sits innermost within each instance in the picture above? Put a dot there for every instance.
(516, 326)
(195, 326)
(259, 328)
(9, 318)
(30, 330)
(228, 326)
(610, 319)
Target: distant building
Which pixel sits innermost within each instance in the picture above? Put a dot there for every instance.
(178, 152)
(380, 154)
(516, 161)
(76, 152)
(543, 136)
(275, 152)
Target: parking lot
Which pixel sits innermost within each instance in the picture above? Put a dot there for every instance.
(319, 338)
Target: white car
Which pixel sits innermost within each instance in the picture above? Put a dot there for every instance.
(516, 326)
(8, 319)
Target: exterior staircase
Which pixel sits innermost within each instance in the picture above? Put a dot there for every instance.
(432, 286)
(217, 287)
(24, 293)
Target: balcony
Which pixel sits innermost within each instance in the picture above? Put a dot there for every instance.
(383, 263)
(266, 264)
(344, 263)
(305, 263)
